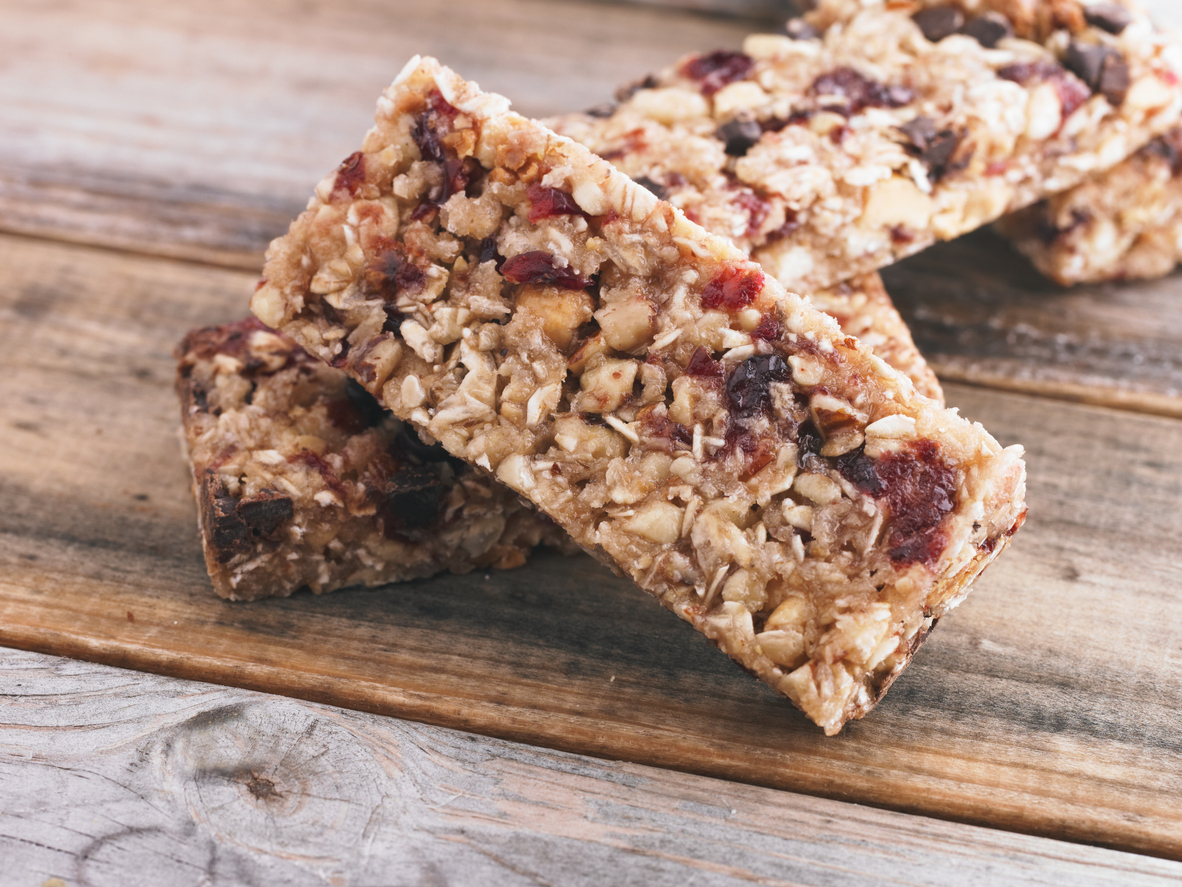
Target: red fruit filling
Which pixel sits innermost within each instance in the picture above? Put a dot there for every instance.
(733, 289)
(541, 267)
(716, 70)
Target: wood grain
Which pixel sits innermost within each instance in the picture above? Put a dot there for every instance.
(198, 131)
(112, 777)
(1047, 704)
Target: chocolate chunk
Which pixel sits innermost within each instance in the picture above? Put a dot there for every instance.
(226, 531)
(858, 91)
(1168, 151)
(1110, 17)
(938, 22)
(603, 109)
(1114, 80)
(920, 131)
(989, 29)
(626, 92)
(799, 29)
(266, 511)
(1101, 68)
(656, 187)
(934, 148)
(740, 135)
(413, 499)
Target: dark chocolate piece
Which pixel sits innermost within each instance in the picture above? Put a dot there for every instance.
(938, 22)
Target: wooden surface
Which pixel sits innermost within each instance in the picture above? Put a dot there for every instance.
(175, 142)
(181, 783)
(1049, 704)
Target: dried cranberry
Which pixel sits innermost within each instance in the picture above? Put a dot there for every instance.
(716, 70)
(390, 272)
(660, 427)
(412, 498)
(858, 91)
(545, 203)
(735, 288)
(457, 176)
(356, 411)
(769, 329)
(1071, 90)
(350, 174)
(758, 452)
(424, 212)
(756, 208)
(919, 487)
(541, 267)
(791, 224)
(432, 125)
(704, 366)
(749, 387)
(323, 468)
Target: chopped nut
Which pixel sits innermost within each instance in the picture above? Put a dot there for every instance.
(895, 202)
(817, 488)
(627, 325)
(562, 311)
(657, 521)
(670, 105)
(782, 647)
(607, 386)
(587, 442)
(516, 473)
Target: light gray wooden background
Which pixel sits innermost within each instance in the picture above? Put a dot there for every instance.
(110, 777)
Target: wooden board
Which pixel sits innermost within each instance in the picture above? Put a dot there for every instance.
(192, 783)
(1047, 704)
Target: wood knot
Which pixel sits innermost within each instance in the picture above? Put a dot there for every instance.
(262, 788)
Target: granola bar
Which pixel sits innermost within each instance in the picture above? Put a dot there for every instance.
(301, 479)
(647, 386)
(876, 127)
(1123, 225)
(861, 305)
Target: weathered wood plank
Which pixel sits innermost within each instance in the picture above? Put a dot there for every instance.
(980, 313)
(198, 131)
(1047, 704)
(107, 775)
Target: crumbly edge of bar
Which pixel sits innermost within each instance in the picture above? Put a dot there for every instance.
(861, 306)
(647, 386)
(840, 153)
(1123, 225)
(302, 480)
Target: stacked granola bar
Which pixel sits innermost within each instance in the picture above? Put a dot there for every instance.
(574, 340)
(648, 387)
